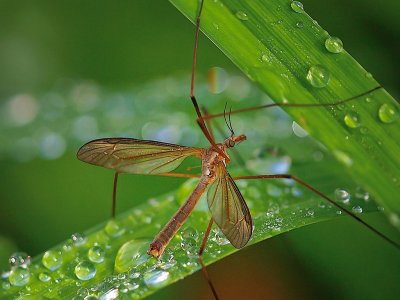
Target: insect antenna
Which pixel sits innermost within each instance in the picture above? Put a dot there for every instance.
(228, 120)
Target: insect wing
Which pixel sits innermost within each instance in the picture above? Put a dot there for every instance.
(229, 210)
(134, 156)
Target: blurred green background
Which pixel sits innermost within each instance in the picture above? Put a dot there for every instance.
(120, 44)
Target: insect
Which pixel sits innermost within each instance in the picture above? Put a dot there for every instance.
(226, 203)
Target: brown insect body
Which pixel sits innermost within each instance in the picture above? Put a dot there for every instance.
(212, 160)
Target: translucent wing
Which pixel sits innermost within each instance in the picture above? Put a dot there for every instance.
(135, 156)
(229, 210)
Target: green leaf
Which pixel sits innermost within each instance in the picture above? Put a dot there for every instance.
(275, 46)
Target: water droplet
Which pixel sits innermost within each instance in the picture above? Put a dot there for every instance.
(110, 294)
(19, 276)
(342, 195)
(318, 76)
(189, 232)
(217, 79)
(388, 113)
(309, 212)
(131, 254)
(220, 238)
(265, 57)
(78, 238)
(44, 277)
(19, 259)
(357, 209)
(114, 229)
(297, 6)
(298, 130)
(362, 194)
(85, 270)
(52, 259)
(241, 15)
(96, 254)
(334, 44)
(299, 24)
(352, 120)
(156, 278)
(189, 246)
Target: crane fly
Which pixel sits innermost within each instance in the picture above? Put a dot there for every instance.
(225, 201)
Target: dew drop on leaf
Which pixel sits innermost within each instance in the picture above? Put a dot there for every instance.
(131, 254)
(352, 120)
(156, 278)
(318, 76)
(19, 276)
(52, 259)
(297, 6)
(334, 44)
(342, 195)
(85, 270)
(241, 15)
(96, 254)
(388, 113)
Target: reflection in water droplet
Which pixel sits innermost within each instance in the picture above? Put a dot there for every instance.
(78, 238)
(299, 24)
(388, 113)
(19, 259)
(52, 259)
(334, 44)
(85, 270)
(96, 254)
(19, 276)
(131, 254)
(44, 277)
(297, 6)
(217, 79)
(357, 209)
(342, 196)
(156, 278)
(109, 294)
(242, 16)
(114, 229)
(220, 238)
(318, 76)
(352, 120)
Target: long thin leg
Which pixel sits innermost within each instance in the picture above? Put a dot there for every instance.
(200, 119)
(298, 180)
(203, 266)
(293, 104)
(114, 193)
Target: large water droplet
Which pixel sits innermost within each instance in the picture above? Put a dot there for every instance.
(298, 130)
(19, 259)
(52, 259)
(19, 276)
(96, 254)
(114, 229)
(334, 44)
(241, 15)
(352, 120)
(342, 196)
(388, 113)
(217, 79)
(156, 278)
(297, 6)
(131, 254)
(318, 76)
(85, 270)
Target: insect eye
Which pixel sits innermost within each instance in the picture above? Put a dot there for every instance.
(231, 143)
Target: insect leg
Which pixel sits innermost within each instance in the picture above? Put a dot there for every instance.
(314, 190)
(203, 266)
(114, 194)
(335, 103)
